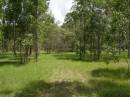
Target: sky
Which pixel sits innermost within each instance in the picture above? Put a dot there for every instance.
(59, 9)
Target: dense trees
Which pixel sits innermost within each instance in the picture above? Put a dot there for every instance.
(27, 27)
(20, 21)
(58, 40)
(92, 29)
(100, 26)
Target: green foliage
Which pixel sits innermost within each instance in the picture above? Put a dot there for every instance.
(20, 21)
(99, 25)
(28, 40)
(57, 39)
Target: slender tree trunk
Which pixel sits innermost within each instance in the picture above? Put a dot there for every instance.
(84, 41)
(129, 34)
(80, 50)
(21, 54)
(84, 35)
(80, 41)
(98, 46)
(14, 38)
(3, 38)
(129, 41)
(35, 30)
(91, 47)
(36, 44)
(120, 36)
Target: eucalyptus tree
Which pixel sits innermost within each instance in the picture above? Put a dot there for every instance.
(122, 7)
(89, 20)
(20, 25)
(99, 25)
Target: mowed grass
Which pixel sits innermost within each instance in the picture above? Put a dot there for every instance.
(63, 75)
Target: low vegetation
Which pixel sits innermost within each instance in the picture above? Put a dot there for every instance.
(54, 75)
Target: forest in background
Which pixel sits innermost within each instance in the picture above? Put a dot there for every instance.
(94, 29)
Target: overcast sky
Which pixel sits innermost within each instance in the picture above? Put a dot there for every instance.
(60, 8)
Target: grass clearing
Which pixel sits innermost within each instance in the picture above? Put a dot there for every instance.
(55, 76)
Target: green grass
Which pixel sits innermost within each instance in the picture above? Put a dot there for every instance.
(62, 75)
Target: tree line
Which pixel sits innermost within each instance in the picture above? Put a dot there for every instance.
(27, 27)
(93, 29)
(20, 21)
(100, 27)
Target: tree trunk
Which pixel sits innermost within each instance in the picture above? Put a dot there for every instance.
(14, 38)
(35, 34)
(129, 34)
(36, 44)
(129, 41)
(98, 46)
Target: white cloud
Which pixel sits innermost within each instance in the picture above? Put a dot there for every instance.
(60, 8)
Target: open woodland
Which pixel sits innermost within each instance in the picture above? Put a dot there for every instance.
(87, 56)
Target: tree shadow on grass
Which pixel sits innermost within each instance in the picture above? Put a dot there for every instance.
(55, 89)
(8, 56)
(66, 56)
(96, 88)
(106, 88)
(7, 59)
(10, 62)
(120, 73)
(3, 57)
(6, 92)
(71, 56)
(87, 58)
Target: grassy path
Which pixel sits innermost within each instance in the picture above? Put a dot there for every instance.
(63, 76)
